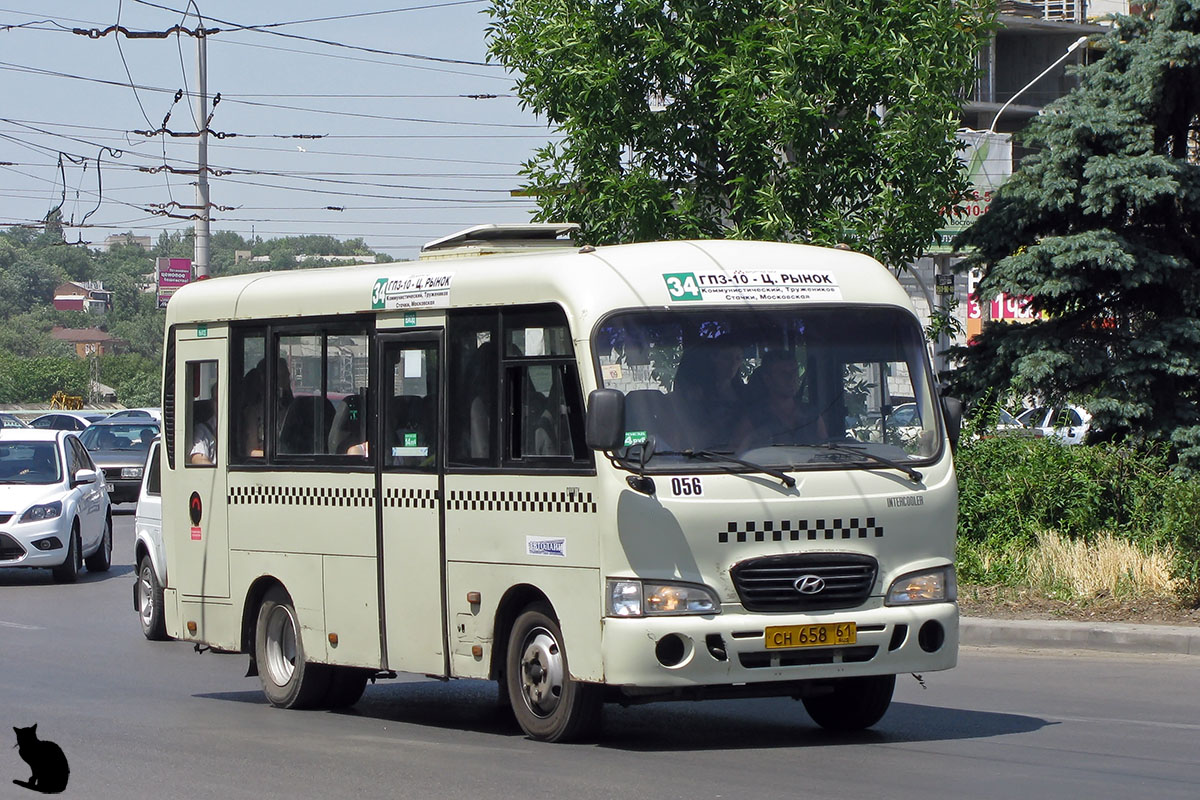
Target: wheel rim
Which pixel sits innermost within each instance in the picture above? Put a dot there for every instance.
(281, 645)
(146, 593)
(541, 672)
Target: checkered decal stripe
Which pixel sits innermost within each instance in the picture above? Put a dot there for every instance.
(410, 498)
(852, 528)
(300, 496)
(548, 502)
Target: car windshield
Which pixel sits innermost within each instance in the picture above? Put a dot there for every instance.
(29, 462)
(129, 436)
(804, 388)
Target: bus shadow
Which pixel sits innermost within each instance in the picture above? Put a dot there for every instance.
(666, 727)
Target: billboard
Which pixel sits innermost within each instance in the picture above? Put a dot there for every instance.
(172, 273)
(987, 162)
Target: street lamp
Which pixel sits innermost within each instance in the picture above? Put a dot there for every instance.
(1071, 49)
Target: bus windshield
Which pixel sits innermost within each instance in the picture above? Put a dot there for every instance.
(798, 388)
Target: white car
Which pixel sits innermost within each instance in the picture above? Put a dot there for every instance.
(54, 506)
(148, 550)
(1070, 424)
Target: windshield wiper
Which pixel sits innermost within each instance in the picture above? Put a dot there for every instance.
(712, 455)
(837, 447)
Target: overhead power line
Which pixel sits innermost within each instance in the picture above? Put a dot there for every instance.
(331, 43)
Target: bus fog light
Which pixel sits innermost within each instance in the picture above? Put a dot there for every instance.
(673, 649)
(927, 586)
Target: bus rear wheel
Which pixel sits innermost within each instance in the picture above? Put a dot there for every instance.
(288, 680)
(854, 704)
(549, 705)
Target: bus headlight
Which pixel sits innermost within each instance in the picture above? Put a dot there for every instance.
(936, 585)
(628, 598)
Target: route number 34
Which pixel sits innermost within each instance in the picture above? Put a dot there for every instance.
(682, 286)
(686, 487)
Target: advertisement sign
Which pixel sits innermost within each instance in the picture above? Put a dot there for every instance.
(172, 274)
(987, 162)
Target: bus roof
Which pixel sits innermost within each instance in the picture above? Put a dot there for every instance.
(588, 282)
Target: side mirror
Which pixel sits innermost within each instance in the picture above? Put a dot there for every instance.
(952, 410)
(83, 476)
(605, 419)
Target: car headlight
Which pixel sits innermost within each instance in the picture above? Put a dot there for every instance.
(131, 472)
(44, 511)
(937, 585)
(628, 598)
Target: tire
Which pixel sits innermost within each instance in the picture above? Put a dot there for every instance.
(288, 680)
(68, 571)
(346, 686)
(854, 704)
(101, 560)
(150, 602)
(548, 704)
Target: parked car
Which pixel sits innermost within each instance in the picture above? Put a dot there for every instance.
(136, 413)
(148, 550)
(1070, 424)
(11, 421)
(54, 506)
(120, 447)
(67, 420)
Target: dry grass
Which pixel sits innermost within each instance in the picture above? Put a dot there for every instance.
(1104, 567)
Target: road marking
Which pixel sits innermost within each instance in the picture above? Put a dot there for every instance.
(19, 626)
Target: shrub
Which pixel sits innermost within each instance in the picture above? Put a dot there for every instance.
(1012, 491)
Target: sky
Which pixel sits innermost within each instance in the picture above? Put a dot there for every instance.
(393, 128)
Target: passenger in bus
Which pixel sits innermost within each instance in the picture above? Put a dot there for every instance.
(250, 415)
(707, 396)
(777, 412)
(204, 433)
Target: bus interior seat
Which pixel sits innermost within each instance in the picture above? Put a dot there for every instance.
(303, 430)
(408, 414)
(349, 425)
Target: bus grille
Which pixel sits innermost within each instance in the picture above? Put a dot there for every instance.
(10, 550)
(770, 583)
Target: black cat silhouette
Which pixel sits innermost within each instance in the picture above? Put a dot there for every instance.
(45, 760)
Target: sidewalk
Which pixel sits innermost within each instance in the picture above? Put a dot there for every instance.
(1061, 635)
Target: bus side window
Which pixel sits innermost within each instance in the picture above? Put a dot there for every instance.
(474, 363)
(249, 397)
(202, 399)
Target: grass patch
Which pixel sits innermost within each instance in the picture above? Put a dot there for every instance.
(1077, 522)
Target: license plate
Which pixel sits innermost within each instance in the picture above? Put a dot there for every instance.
(831, 634)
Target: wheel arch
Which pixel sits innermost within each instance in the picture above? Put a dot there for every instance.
(515, 600)
(254, 597)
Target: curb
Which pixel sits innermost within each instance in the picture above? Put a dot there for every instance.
(1062, 635)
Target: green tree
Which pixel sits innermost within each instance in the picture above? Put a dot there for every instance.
(1101, 226)
(808, 120)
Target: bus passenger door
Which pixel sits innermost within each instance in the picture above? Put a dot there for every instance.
(411, 544)
(201, 566)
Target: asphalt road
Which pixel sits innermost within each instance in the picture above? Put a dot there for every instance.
(141, 719)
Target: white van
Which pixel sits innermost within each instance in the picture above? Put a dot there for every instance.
(148, 550)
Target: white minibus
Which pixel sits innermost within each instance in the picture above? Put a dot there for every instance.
(627, 474)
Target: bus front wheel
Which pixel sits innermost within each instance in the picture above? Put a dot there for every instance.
(854, 704)
(548, 704)
(288, 680)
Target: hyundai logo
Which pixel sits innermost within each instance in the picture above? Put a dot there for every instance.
(809, 584)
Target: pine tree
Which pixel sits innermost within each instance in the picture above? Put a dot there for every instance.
(1101, 226)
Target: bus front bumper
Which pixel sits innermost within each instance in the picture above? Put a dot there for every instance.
(730, 650)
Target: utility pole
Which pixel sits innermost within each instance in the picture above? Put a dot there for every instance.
(200, 260)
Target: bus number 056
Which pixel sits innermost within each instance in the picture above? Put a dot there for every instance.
(686, 487)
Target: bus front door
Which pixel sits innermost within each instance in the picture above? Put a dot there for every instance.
(411, 545)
